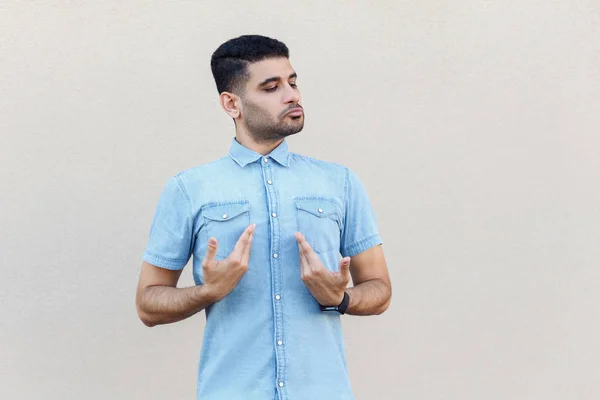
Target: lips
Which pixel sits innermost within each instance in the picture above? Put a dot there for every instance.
(295, 112)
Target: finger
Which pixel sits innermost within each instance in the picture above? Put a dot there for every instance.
(302, 250)
(211, 250)
(299, 237)
(303, 244)
(243, 240)
(248, 249)
(303, 261)
(311, 256)
(345, 267)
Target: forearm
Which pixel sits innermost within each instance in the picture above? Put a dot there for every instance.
(165, 304)
(369, 298)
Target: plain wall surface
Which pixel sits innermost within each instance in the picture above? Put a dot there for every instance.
(475, 126)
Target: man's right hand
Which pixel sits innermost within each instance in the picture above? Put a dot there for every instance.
(222, 276)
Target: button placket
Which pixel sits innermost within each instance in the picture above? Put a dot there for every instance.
(275, 271)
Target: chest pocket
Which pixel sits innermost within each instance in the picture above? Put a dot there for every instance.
(226, 222)
(319, 220)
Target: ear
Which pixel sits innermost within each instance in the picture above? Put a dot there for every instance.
(230, 103)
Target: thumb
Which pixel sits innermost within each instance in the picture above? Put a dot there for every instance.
(211, 251)
(345, 267)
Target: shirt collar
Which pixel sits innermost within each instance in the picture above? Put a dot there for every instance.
(243, 155)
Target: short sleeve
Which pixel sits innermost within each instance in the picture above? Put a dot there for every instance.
(359, 231)
(170, 243)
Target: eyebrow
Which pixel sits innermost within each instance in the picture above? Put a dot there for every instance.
(275, 79)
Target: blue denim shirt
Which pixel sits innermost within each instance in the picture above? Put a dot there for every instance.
(268, 338)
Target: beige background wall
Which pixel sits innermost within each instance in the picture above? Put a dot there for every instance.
(475, 126)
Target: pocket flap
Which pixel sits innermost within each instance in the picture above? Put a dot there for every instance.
(225, 211)
(318, 206)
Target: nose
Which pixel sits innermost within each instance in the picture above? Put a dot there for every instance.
(291, 95)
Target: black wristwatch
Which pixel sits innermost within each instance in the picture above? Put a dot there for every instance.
(341, 308)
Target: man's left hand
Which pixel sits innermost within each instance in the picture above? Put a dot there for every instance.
(327, 287)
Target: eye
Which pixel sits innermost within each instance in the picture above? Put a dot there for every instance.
(271, 89)
(294, 85)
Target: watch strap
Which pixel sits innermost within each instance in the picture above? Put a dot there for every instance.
(341, 308)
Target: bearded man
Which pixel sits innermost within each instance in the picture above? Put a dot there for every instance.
(276, 238)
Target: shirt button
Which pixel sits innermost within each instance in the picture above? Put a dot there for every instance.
(320, 210)
(279, 342)
(277, 297)
(265, 159)
(280, 384)
(275, 255)
(224, 216)
(274, 215)
(270, 182)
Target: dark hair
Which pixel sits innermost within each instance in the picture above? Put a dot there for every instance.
(229, 63)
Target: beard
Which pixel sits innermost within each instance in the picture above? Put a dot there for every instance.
(263, 128)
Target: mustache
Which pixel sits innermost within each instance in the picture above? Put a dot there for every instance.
(289, 108)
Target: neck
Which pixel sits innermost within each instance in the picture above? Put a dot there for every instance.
(263, 148)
